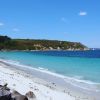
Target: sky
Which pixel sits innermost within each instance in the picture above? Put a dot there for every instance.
(68, 20)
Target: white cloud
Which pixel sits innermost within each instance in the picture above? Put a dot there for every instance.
(82, 13)
(16, 29)
(1, 24)
(63, 19)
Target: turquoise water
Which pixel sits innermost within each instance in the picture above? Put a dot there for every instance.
(83, 68)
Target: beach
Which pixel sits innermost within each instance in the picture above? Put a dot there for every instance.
(44, 85)
(23, 83)
(49, 50)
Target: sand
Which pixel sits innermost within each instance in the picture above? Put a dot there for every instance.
(44, 88)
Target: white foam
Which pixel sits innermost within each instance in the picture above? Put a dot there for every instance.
(42, 68)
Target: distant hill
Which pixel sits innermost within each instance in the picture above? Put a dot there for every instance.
(6, 43)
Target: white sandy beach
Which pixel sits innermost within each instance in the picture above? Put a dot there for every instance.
(23, 82)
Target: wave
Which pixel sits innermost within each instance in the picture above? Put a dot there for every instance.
(41, 68)
(76, 81)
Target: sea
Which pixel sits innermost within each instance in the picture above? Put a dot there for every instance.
(83, 66)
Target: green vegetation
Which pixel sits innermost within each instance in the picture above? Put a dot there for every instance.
(7, 43)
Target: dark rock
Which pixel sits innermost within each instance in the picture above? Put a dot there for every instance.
(17, 96)
(6, 97)
(20, 97)
(30, 94)
(5, 93)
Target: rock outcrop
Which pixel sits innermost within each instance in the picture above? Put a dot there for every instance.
(5, 93)
(17, 96)
(30, 95)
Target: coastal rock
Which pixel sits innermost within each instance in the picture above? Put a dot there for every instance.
(6, 97)
(5, 93)
(17, 96)
(30, 94)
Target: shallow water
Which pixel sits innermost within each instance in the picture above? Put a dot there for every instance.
(82, 65)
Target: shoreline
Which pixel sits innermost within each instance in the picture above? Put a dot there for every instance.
(55, 82)
(23, 82)
(50, 50)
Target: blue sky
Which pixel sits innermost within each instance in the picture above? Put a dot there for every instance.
(70, 20)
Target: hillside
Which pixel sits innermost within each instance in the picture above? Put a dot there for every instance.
(6, 43)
